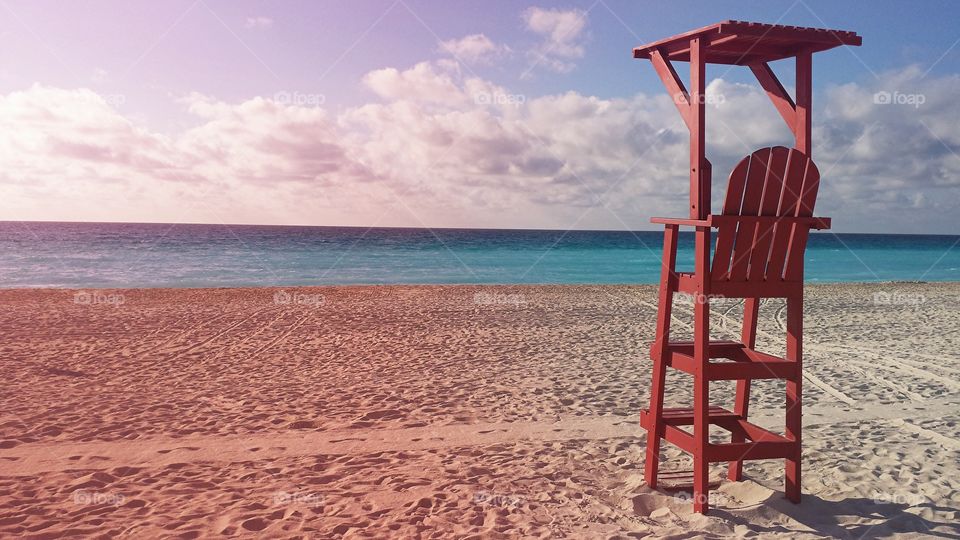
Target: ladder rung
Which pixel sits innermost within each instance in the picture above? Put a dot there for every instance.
(747, 364)
(762, 443)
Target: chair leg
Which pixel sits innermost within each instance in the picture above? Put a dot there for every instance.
(658, 351)
(741, 403)
(740, 408)
(701, 404)
(652, 464)
(794, 395)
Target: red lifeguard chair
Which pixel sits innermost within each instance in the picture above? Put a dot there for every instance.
(761, 237)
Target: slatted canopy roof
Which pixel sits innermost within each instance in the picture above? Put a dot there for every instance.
(745, 43)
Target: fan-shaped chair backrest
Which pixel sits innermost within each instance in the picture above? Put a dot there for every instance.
(776, 181)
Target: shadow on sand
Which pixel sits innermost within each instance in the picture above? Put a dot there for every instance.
(853, 518)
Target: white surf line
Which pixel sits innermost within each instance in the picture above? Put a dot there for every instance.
(34, 458)
(948, 443)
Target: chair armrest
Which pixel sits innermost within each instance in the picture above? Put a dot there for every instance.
(716, 220)
(684, 222)
(820, 223)
(813, 222)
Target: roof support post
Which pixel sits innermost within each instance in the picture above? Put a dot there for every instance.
(699, 179)
(802, 125)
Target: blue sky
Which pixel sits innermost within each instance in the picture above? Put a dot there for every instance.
(358, 113)
(322, 45)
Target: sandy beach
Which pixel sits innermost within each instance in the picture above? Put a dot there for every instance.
(452, 411)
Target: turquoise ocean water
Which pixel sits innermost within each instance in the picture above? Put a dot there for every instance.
(161, 255)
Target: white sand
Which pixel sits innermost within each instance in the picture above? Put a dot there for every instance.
(453, 412)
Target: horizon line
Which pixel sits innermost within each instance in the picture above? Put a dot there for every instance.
(409, 228)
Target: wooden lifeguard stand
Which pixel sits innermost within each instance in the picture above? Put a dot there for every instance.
(761, 237)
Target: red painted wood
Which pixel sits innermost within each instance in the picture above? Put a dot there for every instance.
(746, 366)
(731, 205)
(808, 193)
(741, 400)
(735, 185)
(750, 289)
(658, 352)
(775, 91)
(769, 203)
(701, 392)
(761, 238)
(777, 172)
(721, 257)
(706, 185)
(721, 221)
(802, 126)
(739, 42)
(677, 221)
(699, 183)
(799, 234)
(681, 99)
(794, 401)
(793, 186)
(771, 194)
(752, 193)
(683, 416)
(701, 328)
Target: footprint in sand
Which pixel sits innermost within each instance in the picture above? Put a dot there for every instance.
(255, 524)
(386, 414)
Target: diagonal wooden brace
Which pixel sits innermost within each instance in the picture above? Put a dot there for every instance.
(679, 94)
(796, 115)
(777, 94)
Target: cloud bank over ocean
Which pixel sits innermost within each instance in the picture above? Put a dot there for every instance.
(435, 144)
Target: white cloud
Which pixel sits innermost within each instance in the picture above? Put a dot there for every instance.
(456, 160)
(258, 22)
(423, 83)
(562, 32)
(475, 48)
